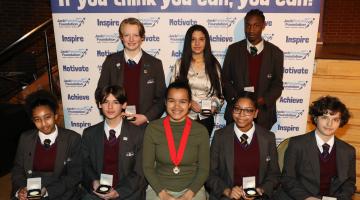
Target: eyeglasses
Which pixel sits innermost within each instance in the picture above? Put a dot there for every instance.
(245, 111)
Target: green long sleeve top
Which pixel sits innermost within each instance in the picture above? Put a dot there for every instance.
(157, 164)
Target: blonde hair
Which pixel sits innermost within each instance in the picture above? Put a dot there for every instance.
(132, 21)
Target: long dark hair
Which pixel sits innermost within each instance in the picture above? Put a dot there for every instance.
(212, 65)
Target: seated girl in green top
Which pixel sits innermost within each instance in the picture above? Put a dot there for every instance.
(176, 150)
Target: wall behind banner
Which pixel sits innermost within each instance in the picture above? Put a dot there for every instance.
(86, 34)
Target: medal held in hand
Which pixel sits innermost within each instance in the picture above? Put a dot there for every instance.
(33, 188)
(176, 157)
(206, 107)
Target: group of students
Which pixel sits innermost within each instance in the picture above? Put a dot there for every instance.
(170, 158)
(252, 64)
(173, 155)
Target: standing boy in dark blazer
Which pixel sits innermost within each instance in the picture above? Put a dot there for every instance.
(113, 146)
(242, 149)
(49, 152)
(319, 164)
(254, 65)
(140, 74)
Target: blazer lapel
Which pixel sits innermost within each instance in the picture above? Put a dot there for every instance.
(263, 146)
(123, 140)
(144, 70)
(341, 167)
(28, 165)
(264, 69)
(244, 62)
(314, 152)
(229, 150)
(120, 68)
(61, 150)
(99, 143)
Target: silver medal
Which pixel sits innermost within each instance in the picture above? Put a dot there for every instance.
(176, 170)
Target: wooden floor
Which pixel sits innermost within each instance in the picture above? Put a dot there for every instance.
(5, 185)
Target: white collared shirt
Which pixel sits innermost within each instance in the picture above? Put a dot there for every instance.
(249, 133)
(117, 129)
(320, 142)
(52, 136)
(259, 46)
(136, 58)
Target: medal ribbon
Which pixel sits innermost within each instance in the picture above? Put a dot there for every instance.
(176, 157)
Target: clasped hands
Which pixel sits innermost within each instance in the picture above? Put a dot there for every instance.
(188, 195)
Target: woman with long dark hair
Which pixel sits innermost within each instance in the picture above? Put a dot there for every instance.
(199, 67)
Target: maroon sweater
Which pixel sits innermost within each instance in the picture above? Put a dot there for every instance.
(111, 159)
(254, 63)
(246, 161)
(44, 159)
(132, 83)
(328, 170)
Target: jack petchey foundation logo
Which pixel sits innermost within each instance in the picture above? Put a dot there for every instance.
(76, 83)
(153, 52)
(297, 85)
(176, 38)
(76, 53)
(219, 54)
(289, 114)
(226, 22)
(71, 23)
(268, 36)
(107, 38)
(297, 55)
(299, 23)
(85, 110)
(150, 21)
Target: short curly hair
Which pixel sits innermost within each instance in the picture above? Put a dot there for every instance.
(41, 98)
(329, 105)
